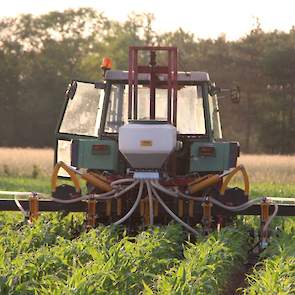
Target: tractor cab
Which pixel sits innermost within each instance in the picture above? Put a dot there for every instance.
(149, 117)
(148, 143)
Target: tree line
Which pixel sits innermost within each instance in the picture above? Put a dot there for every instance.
(39, 55)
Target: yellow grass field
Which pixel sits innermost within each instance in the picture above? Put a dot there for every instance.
(269, 168)
(21, 161)
(39, 162)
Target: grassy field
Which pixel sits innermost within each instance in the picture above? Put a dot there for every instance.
(26, 162)
(269, 168)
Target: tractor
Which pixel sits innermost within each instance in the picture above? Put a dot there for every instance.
(148, 143)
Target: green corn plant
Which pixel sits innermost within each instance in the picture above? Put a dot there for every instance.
(49, 267)
(131, 263)
(207, 265)
(275, 274)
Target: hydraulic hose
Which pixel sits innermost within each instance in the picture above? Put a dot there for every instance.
(174, 194)
(20, 207)
(275, 212)
(214, 201)
(123, 180)
(130, 212)
(8, 193)
(217, 203)
(236, 208)
(85, 197)
(151, 206)
(174, 216)
(105, 196)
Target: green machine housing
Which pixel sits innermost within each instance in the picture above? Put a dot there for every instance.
(95, 154)
(216, 156)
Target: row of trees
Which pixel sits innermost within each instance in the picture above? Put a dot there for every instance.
(39, 55)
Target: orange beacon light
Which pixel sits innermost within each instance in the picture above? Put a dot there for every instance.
(106, 64)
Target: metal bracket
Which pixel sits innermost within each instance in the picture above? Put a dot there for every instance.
(91, 214)
(207, 215)
(146, 175)
(33, 207)
(265, 204)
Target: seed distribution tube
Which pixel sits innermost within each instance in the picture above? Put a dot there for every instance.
(105, 196)
(123, 180)
(151, 208)
(174, 216)
(134, 205)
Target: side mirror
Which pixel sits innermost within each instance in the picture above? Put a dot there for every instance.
(71, 90)
(214, 90)
(235, 94)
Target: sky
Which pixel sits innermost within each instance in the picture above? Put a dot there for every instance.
(206, 18)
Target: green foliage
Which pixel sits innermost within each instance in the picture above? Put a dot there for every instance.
(25, 184)
(44, 254)
(129, 263)
(44, 257)
(276, 273)
(272, 190)
(207, 264)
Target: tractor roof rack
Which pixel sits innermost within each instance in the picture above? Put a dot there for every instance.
(153, 69)
(193, 76)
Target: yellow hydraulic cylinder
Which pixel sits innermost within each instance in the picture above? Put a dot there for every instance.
(72, 174)
(97, 181)
(241, 169)
(201, 184)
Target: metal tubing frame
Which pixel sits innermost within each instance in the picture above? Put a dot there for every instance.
(81, 206)
(135, 69)
(264, 216)
(232, 174)
(72, 175)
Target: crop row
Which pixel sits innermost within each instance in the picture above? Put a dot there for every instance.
(49, 258)
(207, 265)
(275, 274)
(44, 258)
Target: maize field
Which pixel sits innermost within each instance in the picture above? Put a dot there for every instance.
(55, 255)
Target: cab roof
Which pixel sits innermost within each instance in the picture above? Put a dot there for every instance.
(194, 76)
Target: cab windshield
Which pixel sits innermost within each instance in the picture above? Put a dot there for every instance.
(82, 114)
(190, 109)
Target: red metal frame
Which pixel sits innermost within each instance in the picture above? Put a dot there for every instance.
(153, 69)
